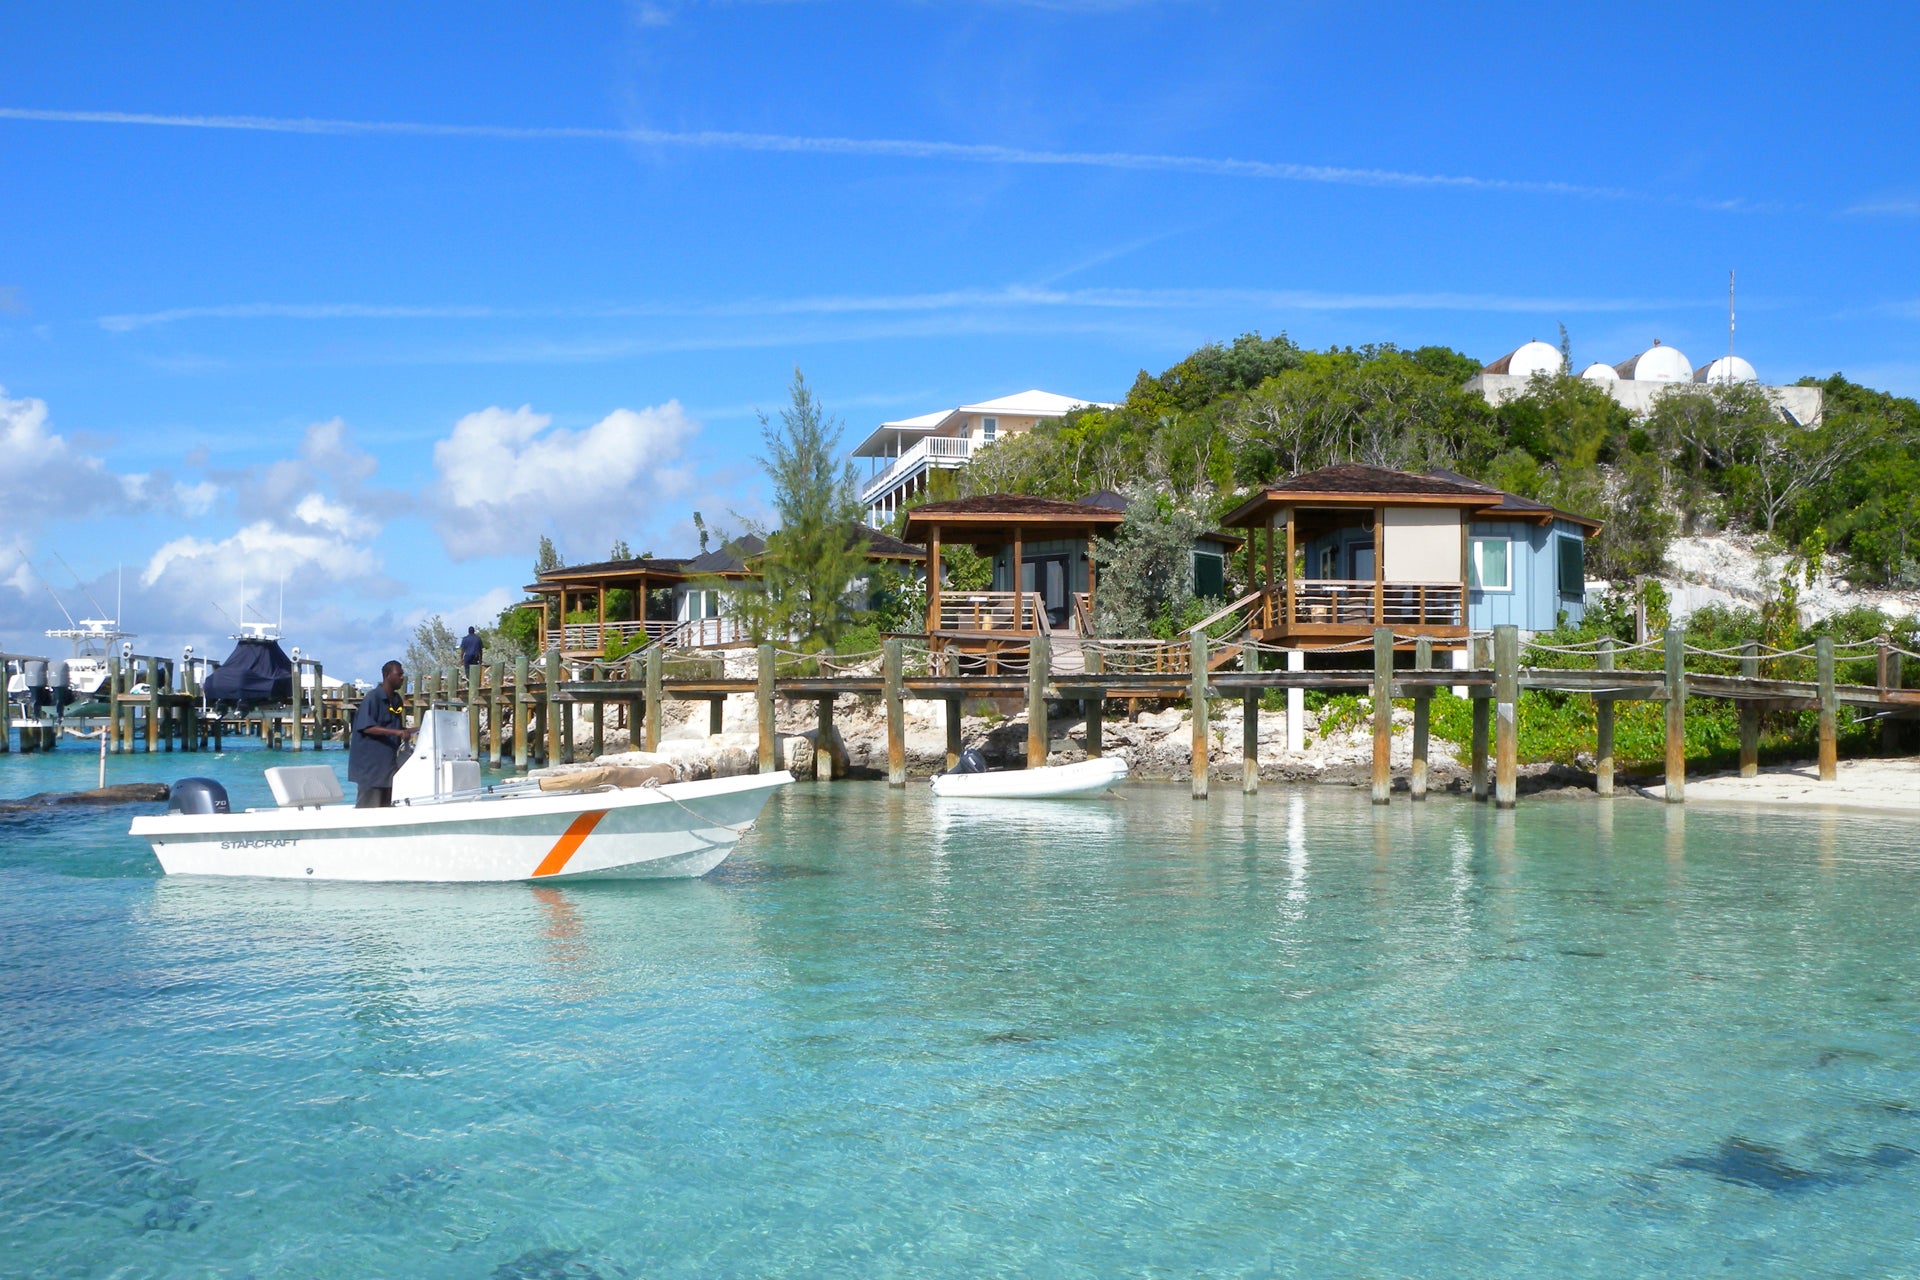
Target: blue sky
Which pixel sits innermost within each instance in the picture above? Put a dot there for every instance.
(367, 300)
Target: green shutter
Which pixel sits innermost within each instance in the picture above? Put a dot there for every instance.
(1573, 569)
(1209, 576)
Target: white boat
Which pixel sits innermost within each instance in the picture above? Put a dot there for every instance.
(1074, 781)
(444, 826)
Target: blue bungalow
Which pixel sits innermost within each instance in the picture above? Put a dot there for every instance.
(1349, 548)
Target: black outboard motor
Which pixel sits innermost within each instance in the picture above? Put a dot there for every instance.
(198, 795)
(971, 761)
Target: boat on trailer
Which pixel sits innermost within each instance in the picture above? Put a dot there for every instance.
(1080, 780)
(445, 826)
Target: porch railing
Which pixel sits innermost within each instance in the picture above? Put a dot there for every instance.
(1351, 602)
(592, 637)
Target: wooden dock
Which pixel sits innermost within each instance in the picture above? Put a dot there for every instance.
(520, 715)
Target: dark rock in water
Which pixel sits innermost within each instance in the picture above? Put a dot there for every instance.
(547, 1264)
(1015, 1037)
(101, 797)
(176, 1213)
(1753, 1165)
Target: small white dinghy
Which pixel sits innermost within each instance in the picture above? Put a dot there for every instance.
(444, 826)
(1075, 781)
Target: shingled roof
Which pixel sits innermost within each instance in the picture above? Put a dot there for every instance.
(987, 513)
(1355, 484)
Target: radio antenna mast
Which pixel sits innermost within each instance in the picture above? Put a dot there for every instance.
(1729, 323)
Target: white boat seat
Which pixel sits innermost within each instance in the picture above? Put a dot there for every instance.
(301, 786)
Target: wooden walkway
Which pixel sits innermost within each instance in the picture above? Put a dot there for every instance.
(520, 714)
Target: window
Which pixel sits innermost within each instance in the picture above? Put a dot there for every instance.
(1329, 562)
(1573, 567)
(989, 428)
(1491, 568)
(1209, 575)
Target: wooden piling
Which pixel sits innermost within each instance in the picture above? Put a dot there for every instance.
(656, 703)
(824, 764)
(1250, 722)
(522, 708)
(153, 703)
(592, 674)
(1506, 716)
(564, 709)
(296, 732)
(892, 660)
(1676, 788)
(1477, 749)
(1603, 726)
(1422, 713)
(956, 742)
(473, 708)
(1749, 712)
(549, 739)
(1197, 695)
(496, 676)
(1039, 664)
(1890, 678)
(763, 709)
(1829, 709)
(1382, 714)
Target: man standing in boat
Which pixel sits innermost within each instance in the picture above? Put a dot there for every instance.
(379, 729)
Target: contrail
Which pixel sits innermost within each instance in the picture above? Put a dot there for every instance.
(905, 148)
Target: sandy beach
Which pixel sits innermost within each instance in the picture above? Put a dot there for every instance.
(1887, 785)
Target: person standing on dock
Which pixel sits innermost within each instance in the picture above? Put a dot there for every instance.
(470, 648)
(378, 730)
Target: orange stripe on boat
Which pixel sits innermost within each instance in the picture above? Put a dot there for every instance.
(569, 844)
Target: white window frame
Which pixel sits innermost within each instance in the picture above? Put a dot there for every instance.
(1474, 543)
(989, 430)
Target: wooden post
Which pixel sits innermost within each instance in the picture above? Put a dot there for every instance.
(763, 707)
(1250, 717)
(1382, 712)
(656, 704)
(1829, 709)
(1039, 663)
(892, 660)
(1506, 715)
(1891, 678)
(496, 676)
(1749, 712)
(565, 711)
(1422, 710)
(823, 761)
(599, 714)
(717, 715)
(549, 741)
(1676, 788)
(472, 677)
(1019, 593)
(955, 742)
(1603, 726)
(522, 706)
(1197, 695)
(933, 580)
(296, 730)
(1477, 750)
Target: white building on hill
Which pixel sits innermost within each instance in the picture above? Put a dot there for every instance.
(1638, 381)
(905, 453)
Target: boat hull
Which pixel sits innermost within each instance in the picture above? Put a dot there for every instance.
(1078, 781)
(681, 829)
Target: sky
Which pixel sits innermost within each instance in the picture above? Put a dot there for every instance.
(337, 309)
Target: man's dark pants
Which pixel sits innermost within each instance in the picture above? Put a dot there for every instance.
(374, 798)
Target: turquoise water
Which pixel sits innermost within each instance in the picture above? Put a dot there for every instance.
(1292, 1036)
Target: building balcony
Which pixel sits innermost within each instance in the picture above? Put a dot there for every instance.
(1334, 610)
(934, 453)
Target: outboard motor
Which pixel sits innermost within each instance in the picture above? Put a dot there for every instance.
(971, 761)
(33, 674)
(198, 795)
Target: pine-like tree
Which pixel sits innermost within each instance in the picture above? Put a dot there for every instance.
(806, 590)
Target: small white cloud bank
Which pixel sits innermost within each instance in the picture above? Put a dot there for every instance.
(507, 475)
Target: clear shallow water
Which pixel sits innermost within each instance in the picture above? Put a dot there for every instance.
(1297, 1036)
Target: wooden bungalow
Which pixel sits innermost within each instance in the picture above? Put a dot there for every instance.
(1340, 551)
(1044, 573)
(676, 601)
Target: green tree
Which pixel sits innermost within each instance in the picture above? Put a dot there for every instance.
(620, 551)
(1145, 584)
(808, 589)
(433, 647)
(515, 633)
(548, 557)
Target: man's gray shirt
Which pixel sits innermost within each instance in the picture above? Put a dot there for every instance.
(373, 758)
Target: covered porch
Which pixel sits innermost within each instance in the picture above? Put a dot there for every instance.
(1341, 551)
(622, 605)
(1044, 570)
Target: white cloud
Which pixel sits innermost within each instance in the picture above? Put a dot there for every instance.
(45, 478)
(505, 476)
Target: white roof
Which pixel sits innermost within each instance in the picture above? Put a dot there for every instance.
(1656, 364)
(1597, 372)
(1726, 369)
(889, 437)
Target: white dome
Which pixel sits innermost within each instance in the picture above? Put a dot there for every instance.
(1656, 364)
(1534, 357)
(1597, 372)
(1726, 369)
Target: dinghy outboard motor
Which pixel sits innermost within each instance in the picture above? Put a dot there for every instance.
(198, 795)
(971, 761)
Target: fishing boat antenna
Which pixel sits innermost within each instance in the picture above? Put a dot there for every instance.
(98, 607)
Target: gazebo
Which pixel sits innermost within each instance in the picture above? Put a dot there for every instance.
(1043, 567)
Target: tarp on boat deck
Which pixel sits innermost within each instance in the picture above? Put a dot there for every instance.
(256, 671)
